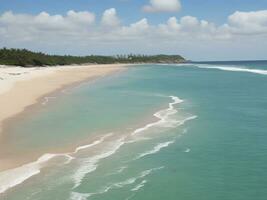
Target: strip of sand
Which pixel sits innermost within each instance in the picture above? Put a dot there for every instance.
(22, 87)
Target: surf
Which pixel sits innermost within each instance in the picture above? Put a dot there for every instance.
(156, 149)
(120, 184)
(163, 116)
(231, 68)
(13, 177)
(234, 69)
(89, 164)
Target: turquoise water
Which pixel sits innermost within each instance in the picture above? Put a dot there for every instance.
(207, 140)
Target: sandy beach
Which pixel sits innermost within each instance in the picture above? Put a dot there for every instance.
(22, 87)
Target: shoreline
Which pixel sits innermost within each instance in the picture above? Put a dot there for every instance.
(96, 142)
(34, 88)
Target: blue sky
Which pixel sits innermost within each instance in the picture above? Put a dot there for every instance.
(216, 11)
(227, 35)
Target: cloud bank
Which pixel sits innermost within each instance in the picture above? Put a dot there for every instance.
(84, 30)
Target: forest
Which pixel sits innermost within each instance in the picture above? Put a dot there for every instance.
(26, 58)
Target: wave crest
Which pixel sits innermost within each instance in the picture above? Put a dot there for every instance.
(232, 68)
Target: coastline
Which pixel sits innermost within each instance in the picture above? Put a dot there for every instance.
(96, 146)
(22, 89)
(18, 93)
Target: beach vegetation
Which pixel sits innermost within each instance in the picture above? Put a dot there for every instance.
(26, 58)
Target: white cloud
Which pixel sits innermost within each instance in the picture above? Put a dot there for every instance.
(17, 26)
(248, 22)
(45, 21)
(81, 17)
(81, 29)
(163, 6)
(136, 28)
(110, 17)
(192, 27)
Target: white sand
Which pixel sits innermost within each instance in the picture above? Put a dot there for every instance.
(10, 75)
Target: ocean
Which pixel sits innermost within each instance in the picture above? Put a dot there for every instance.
(184, 131)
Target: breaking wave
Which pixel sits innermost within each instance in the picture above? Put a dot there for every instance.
(13, 177)
(232, 68)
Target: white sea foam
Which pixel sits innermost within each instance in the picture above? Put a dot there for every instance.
(126, 182)
(163, 116)
(13, 177)
(232, 68)
(139, 186)
(16, 176)
(118, 171)
(187, 119)
(187, 150)
(89, 165)
(92, 144)
(78, 196)
(156, 149)
(121, 169)
(134, 179)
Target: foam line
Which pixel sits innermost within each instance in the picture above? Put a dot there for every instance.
(156, 149)
(16, 176)
(13, 177)
(232, 68)
(121, 184)
(89, 165)
(92, 144)
(118, 171)
(78, 196)
(139, 186)
(163, 116)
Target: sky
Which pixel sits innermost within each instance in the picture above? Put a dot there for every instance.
(195, 29)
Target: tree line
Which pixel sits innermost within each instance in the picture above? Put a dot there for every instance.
(26, 58)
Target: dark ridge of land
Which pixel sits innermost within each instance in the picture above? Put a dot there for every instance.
(26, 58)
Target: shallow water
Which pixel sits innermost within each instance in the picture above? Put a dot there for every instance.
(188, 131)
